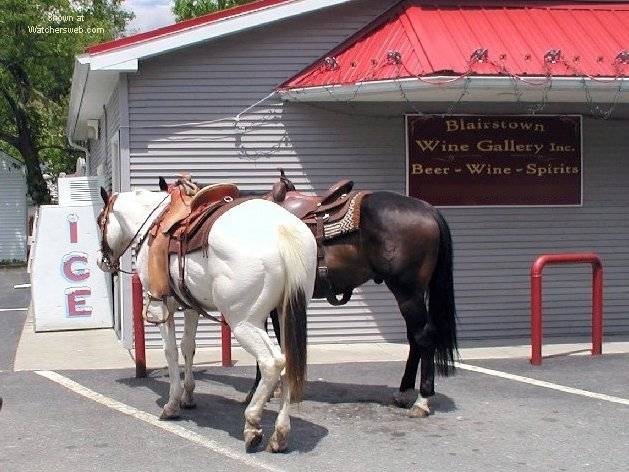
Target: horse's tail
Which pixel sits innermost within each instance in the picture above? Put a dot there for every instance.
(298, 251)
(441, 306)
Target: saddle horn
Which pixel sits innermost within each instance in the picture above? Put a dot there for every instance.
(286, 181)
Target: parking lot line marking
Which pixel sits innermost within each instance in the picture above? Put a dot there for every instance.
(13, 309)
(154, 421)
(543, 383)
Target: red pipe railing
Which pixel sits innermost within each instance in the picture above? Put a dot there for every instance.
(226, 343)
(536, 299)
(140, 338)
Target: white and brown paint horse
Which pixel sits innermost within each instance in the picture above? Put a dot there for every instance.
(260, 258)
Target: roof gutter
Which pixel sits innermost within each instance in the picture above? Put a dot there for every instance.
(477, 88)
(77, 91)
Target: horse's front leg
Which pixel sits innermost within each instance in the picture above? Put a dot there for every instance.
(188, 347)
(167, 329)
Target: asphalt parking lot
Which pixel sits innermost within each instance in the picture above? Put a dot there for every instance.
(570, 414)
(348, 421)
(12, 313)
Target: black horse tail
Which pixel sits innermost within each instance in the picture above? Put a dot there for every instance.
(298, 251)
(295, 342)
(441, 306)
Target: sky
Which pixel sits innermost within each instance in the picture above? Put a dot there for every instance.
(149, 14)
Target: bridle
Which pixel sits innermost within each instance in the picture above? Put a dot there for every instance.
(106, 251)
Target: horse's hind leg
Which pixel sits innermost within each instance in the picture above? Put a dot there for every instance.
(413, 308)
(425, 343)
(421, 407)
(171, 409)
(279, 440)
(188, 347)
(257, 342)
(406, 394)
(276, 329)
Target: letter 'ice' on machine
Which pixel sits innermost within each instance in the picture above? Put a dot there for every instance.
(68, 289)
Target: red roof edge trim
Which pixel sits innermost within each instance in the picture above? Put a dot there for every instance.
(388, 15)
(183, 25)
(552, 4)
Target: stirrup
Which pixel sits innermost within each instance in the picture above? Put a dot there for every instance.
(148, 298)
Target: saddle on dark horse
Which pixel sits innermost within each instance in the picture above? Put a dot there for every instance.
(333, 214)
(185, 224)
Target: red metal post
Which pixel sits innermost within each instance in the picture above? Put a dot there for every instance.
(138, 327)
(536, 319)
(226, 343)
(597, 309)
(536, 299)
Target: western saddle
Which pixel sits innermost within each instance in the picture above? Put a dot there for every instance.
(333, 214)
(184, 226)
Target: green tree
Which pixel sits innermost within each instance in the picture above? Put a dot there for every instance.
(38, 42)
(186, 9)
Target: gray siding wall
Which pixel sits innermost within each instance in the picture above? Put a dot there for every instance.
(109, 124)
(496, 247)
(12, 211)
(174, 99)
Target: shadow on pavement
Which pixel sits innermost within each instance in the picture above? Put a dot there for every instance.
(226, 414)
(331, 392)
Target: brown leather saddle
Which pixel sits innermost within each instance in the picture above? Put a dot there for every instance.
(182, 228)
(328, 216)
(307, 206)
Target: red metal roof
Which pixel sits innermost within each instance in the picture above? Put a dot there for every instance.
(183, 25)
(439, 38)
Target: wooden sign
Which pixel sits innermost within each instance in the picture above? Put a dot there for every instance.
(469, 160)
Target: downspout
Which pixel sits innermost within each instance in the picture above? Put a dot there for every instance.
(72, 144)
(78, 147)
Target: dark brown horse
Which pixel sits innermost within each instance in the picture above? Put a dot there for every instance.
(405, 243)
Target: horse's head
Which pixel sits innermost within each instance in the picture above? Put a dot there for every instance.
(110, 233)
(123, 218)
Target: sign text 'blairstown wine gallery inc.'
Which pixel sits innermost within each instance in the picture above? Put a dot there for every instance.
(469, 160)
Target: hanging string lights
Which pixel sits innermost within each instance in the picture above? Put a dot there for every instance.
(552, 58)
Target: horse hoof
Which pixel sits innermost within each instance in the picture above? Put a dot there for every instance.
(253, 438)
(404, 399)
(188, 405)
(278, 442)
(417, 412)
(169, 413)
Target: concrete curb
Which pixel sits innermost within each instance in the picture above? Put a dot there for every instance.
(100, 349)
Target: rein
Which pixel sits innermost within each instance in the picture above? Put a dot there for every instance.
(106, 249)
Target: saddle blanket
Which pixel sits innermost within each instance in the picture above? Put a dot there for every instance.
(350, 221)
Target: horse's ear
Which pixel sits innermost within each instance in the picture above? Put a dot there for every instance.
(163, 186)
(104, 195)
